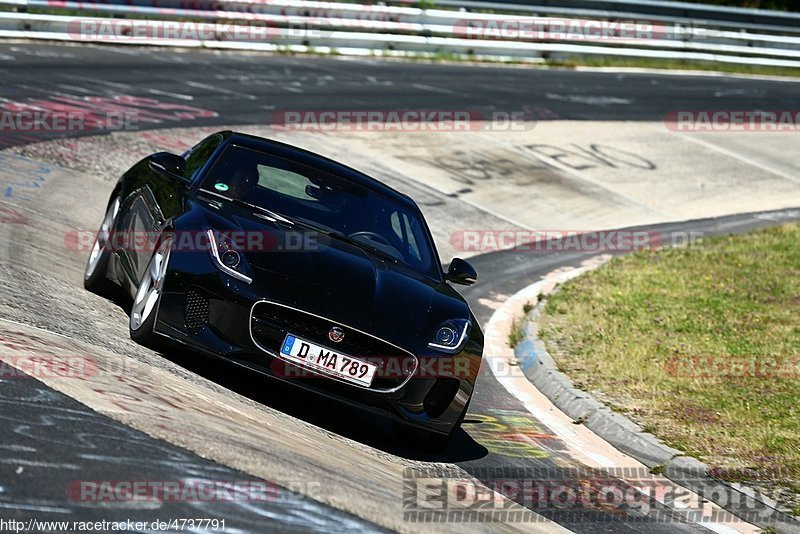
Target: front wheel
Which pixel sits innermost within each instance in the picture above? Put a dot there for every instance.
(95, 276)
(145, 304)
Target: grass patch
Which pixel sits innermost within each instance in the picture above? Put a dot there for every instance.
(517, 334)
(702, 347)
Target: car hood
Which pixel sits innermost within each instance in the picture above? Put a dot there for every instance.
(336, 280)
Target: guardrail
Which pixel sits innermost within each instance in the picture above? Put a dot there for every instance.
(510, 31)
(760, 19)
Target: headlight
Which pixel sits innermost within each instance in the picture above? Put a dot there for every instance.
(450, 336)
(226, 257)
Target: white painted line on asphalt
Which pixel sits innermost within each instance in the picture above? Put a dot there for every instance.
(179, 96)
(115, 85)
(221, 90)
(433, 89)
(590, 100)
(46, 465)
(743, 159)
(34, 508)
(34, 327)
(75, 88)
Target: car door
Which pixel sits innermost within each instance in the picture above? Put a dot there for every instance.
(155, 201)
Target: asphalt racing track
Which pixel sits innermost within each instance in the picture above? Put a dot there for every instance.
(176, 416)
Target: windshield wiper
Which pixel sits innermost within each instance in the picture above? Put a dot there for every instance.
(276, 217)
(375, 251)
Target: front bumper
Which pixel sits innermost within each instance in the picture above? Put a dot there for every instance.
(215, 314)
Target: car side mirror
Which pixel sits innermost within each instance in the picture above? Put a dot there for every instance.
(461, 272)
(169, 165)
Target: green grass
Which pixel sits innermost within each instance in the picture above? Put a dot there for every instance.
(517, 334)
(630, 329)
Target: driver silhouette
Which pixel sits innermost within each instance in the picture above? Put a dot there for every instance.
(243, 182)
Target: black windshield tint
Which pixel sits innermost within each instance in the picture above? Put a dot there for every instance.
(329, 202)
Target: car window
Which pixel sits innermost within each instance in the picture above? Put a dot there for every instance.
(199, 154)
(303, 192)
(285, 182)
(402, 227)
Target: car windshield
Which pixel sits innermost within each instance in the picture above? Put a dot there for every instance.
(332, 204)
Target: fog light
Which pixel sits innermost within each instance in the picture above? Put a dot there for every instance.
(230, 258)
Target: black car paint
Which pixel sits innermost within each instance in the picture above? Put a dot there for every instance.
(337, 281)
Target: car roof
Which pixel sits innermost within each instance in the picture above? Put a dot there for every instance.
(318, 161)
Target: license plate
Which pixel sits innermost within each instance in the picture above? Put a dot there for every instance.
(327, 361)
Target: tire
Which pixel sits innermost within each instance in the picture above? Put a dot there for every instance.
(144, 308)
(95, 276)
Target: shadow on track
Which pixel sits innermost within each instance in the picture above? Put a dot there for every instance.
(336, 417)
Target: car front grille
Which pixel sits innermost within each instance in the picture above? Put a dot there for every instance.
(271, 322)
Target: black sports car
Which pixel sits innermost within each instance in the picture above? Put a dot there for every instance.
(297, 267)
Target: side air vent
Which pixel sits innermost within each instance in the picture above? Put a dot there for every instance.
(195, 315)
